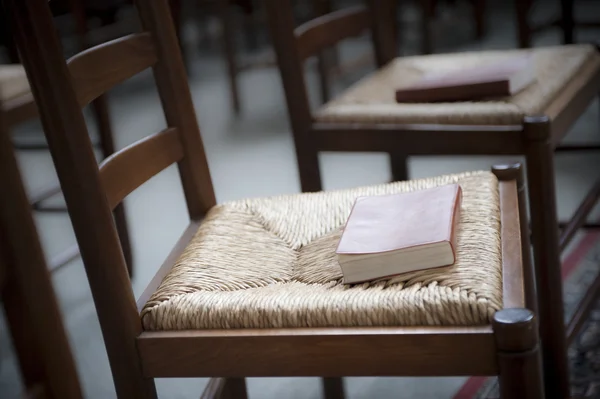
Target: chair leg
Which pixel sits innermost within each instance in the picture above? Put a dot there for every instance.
(6, 38)
(479, 13)
(333, 388)
(250, 26)
(22, 333)
(519, 360)
(227, 36)
(235, 388)
(325, 59)
(524, 30)
(567, 21)
(544, 227)
(323, 66)
(108, 148)
(427, 13)
(308, 167)
(399, 165)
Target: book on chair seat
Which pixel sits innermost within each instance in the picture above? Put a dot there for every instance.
(392, 234)
(500, 79)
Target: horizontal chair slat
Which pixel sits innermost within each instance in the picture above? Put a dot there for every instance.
(99, 68)
(421, 139)
(126, 170)
(329, 352)
(325, 31)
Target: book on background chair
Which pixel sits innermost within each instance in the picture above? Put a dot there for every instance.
(392, 234)
(500, 79)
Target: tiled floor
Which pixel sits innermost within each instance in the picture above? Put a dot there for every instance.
(253, 155)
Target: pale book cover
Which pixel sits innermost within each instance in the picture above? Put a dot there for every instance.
(391, 234)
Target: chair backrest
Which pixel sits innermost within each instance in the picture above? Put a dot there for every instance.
(294, 45)
(61, 89)
(26, 293)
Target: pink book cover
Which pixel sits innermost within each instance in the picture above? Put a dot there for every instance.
(386, 223)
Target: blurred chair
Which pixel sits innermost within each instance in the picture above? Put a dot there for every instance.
(5, 41)
(233, 299)
(26, 293)
(366, 118)
(17, 106)
(565, 22)
(428, 13)
(252, 18)
(224, 10)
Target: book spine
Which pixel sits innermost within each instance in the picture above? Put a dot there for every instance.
(455, 222)
(465, 92)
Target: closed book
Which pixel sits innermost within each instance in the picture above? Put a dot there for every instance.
(392, 234)
(500, 79)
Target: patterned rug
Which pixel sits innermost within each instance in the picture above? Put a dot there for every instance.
(580, 268)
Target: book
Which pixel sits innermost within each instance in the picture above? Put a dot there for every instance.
(392, 234)
(499, 79)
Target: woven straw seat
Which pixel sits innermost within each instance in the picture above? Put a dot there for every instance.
(13, 82)
(270, 262)
(372, 100)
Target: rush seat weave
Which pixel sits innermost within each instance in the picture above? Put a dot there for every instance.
(270, 262)
(13, 82)
(372, 99)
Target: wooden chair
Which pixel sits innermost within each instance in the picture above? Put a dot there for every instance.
(367, 118)
(252, 287)
(17, 106)
(26, 293)
(428, 11)
(565, 22)
(253, 15)
(223, 9)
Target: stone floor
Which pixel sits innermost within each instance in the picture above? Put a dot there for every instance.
(252, 155)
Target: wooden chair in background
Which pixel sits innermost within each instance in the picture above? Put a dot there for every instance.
(252, 17)
(428, 13)
(565, 22)
(289, 332)
(26, 293)
(17, 106)
(348, 22)
(367, 118)
(224, 11)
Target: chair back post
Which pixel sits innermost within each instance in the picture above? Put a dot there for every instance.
(26, 291)
(71, 149)
(291, 67)
(384, 30)
(174, 91)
